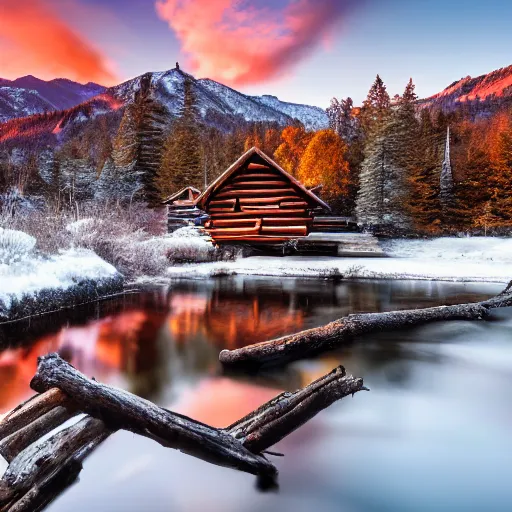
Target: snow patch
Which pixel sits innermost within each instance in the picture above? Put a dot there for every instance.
(59, 273)
(446, 259)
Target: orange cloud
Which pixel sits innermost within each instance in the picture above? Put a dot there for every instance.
(239, 43)
(35, 40)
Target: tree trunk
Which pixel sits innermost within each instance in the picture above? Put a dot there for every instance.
(40, 470)
(31, 410)
(121, 409)
(14, 444)
(282, 415)
(312, 342)
(42, 461)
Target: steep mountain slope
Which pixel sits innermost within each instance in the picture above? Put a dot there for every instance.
(220, 106)
(483, 94)
(30, 95)
(213, 97)
(16, 102)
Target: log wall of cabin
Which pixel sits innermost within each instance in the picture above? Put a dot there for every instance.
(258, 204)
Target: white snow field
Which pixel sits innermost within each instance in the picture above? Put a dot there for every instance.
(46, 283)
(443, 259)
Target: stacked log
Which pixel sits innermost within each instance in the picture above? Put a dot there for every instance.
(41, 468)
(334, 225)
(258, 202)
(182, 210)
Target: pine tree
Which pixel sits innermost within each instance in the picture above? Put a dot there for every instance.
(424, 200)
(500, 180)
(390, 153)
(137, 148)
(182, 161)
(487, 219)
(342, 119)
(376, 108)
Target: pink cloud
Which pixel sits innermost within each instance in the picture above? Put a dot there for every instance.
(240, 43)
(35, 40)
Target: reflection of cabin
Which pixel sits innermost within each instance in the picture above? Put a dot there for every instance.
(257, 201)
(182, 209)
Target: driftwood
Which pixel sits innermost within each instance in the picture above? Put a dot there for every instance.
(312, 342)
(12, 445)
(276, 419)
(31, 410)
(121, 409)
(43, 470)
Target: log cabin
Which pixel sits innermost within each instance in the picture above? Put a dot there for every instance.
(182, 209)
(256, 201)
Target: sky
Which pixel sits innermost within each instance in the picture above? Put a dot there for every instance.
(305, 51)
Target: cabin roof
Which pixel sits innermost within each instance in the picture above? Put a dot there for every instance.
(170, 199)
(203, 198)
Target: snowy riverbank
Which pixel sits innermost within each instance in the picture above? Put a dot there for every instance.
(443, 259)
(37, 285)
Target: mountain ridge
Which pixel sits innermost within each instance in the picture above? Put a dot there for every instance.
(215, 97)
(482, 93)
(29, 95)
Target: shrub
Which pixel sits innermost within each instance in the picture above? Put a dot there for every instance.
(15, 246)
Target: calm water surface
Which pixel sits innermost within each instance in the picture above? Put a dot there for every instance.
(434, 433)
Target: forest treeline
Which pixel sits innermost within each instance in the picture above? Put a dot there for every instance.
(381, 162)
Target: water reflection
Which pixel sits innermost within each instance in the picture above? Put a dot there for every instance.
(427, 383)
(145, 342)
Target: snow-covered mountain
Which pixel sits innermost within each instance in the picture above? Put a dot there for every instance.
(213, 97)
(29, 95)
(15, 102)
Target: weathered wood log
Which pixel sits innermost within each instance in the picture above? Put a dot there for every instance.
(293, 204)
(258, 167)
(279, 417)
(254, 183)
(258, 192)
(42, 461)
(312, 342)
(254, 239)
(267, 200)
(258, 176)
(31, 410)
(284, 213)
(222, 210)
(222, 202)
(39, 497)
(48, 488)
(286, 221)
(256, 207)
(14, 444)
(289, 230)
(230, 223)
(121, 409)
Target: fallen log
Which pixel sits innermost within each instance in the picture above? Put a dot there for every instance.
(39, 497)
(41, 469)
(42, 461)
(121, 409)
(14, 444)
(279, 417)
(312, 342)
(31, 410)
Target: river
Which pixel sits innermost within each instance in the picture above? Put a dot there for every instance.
(434, 433)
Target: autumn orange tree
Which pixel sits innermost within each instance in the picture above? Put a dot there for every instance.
(323, 163)
(500, 179)
(294, 141)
